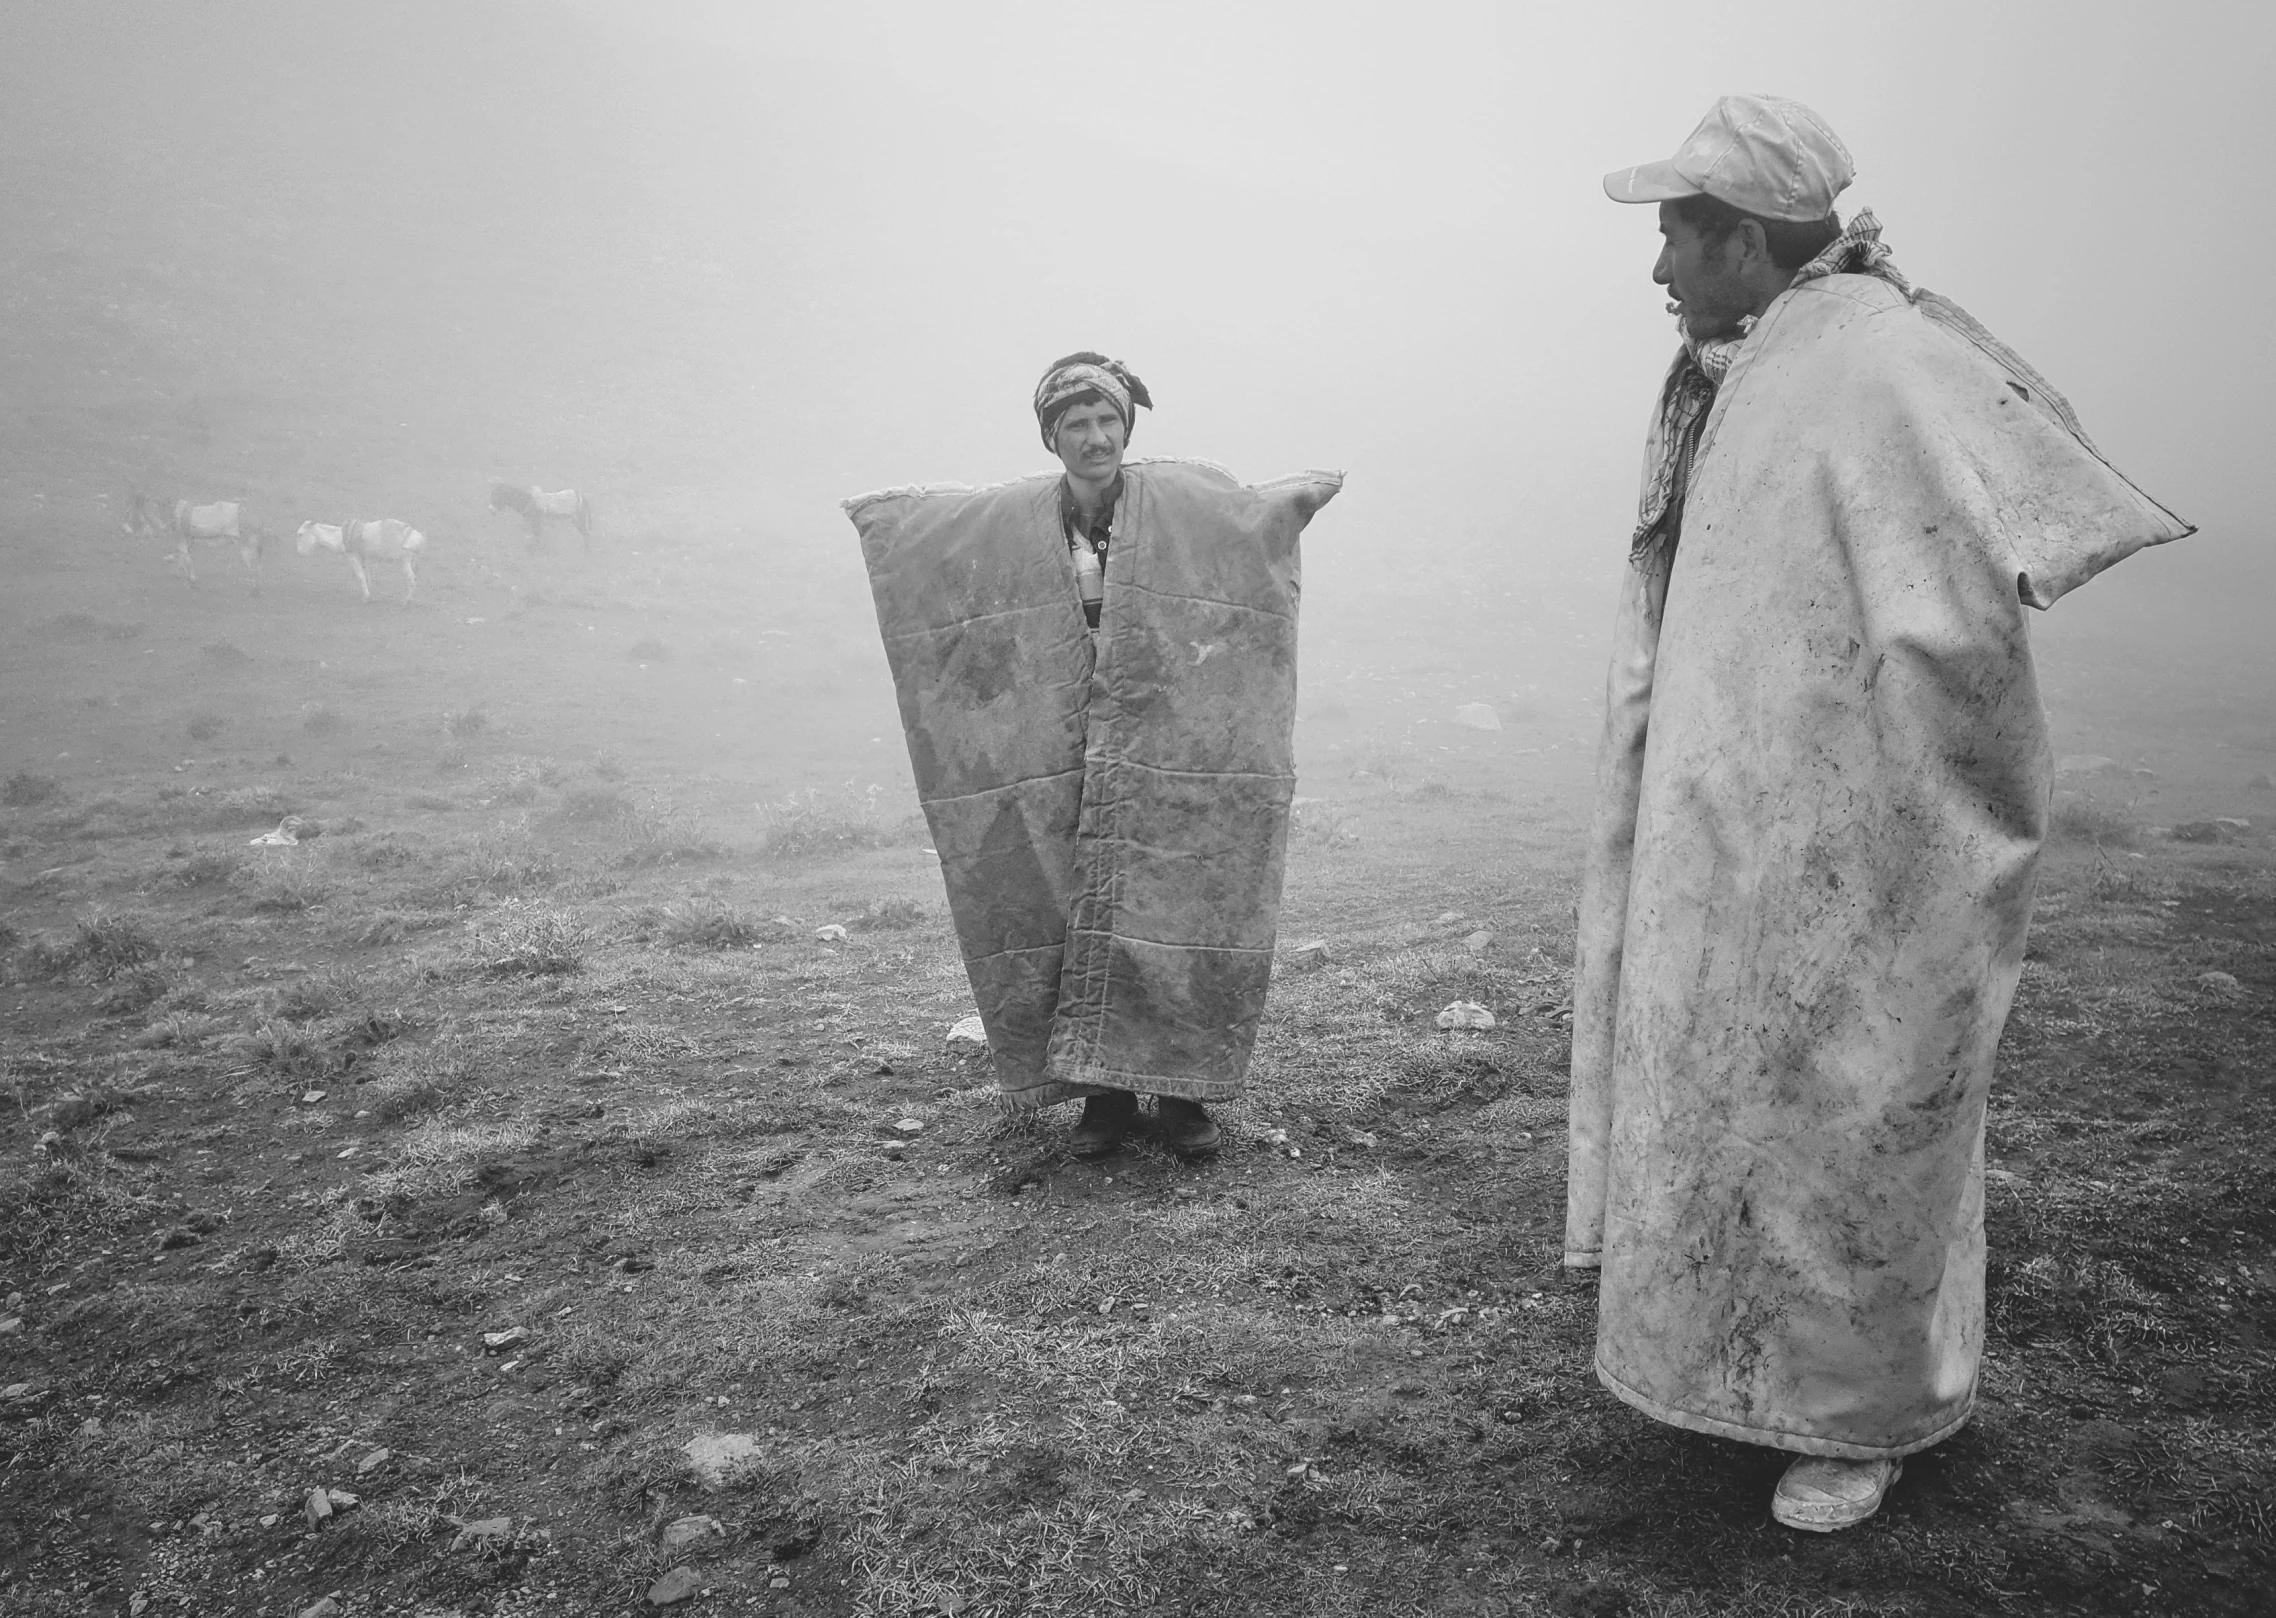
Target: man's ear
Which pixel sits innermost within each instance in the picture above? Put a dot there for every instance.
(1754, 242)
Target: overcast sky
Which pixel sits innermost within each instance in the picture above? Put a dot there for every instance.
(1372, 236)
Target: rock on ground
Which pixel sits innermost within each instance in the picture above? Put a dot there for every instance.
(675, 1586)
(719, 1459)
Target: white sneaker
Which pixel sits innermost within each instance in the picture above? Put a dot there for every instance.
(1819, 1494)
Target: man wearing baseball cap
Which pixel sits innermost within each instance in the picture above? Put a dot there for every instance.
(1822, 787)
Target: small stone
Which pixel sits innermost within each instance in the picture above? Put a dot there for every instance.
(373, 1462)
(310, 1099)
(1478, 942)
(1308, 956)
(693, 1536)
(497, 1342)
(1465, 1014)
(778, 1582)
(719, 1459)
(317, 1506)
(136, 1603)
(830, 933)
(968, 1031)
(271, 1520)
(1446, 918)
(12, 1325)
(342, 1500)
(483, 1533)
(911, 1126)
(326, 1608)
(2221, 983)
(1477, 716)
(346, 1151)
(675, 1587)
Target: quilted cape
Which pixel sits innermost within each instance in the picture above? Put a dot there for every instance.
(1111, 816)
(1821, 792)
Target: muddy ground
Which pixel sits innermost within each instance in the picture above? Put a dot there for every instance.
(519, 1126)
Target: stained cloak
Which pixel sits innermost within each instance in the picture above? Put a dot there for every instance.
(1111, 816)
(1821, 792)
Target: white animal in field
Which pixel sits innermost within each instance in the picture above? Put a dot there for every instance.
(220, 523)
(385, 540)
(535, 505)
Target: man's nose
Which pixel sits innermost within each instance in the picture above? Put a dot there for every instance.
(1663, 273)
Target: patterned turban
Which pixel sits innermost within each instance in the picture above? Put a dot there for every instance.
(1072, 379)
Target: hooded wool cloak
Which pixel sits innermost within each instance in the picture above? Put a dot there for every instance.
(1821, 793)
(1111, 818)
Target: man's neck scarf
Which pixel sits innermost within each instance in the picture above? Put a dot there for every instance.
(1063, 384)
(1699, 370)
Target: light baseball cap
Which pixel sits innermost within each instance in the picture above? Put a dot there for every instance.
(1762, 154)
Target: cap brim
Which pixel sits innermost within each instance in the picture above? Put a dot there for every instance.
(1648, 182)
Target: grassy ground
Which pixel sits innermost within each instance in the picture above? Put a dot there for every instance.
(522, 1044)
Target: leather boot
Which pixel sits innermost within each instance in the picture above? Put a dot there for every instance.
(1186, 1128)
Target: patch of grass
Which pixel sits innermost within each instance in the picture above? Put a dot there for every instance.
(289, 887)
(889, 916)
(466, 722)
(2085, 820)
(224, 654)
(26, 788)
(817, 825)
(593, 806)
(208, 868)
(204, 727)
(1317, 823)
(247, 806)
(608, 766)
(648, 651)
(423, 1079)
(320, 719)
(108, 945)
(285, 1049)
(703, 923)
(530, 939)
(318, 994)
(663, 834)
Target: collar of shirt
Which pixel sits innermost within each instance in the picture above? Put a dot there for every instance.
(1100, 529)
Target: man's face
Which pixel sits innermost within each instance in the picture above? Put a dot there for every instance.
(1702, 278)
(1089, 439)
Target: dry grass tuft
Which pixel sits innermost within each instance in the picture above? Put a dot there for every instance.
(529, 938)
(26, 789)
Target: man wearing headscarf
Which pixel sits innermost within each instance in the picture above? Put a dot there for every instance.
(1097, 679)
(1084, 406)
(1821, 792)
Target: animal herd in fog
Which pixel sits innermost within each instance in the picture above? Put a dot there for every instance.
(185, 526)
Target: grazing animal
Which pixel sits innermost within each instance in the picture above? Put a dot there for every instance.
(385, 540)
(536, 505)
(222, 522)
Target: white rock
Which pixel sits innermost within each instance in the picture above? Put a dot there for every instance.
(911, 1126)
(497, 1342)
(675, 1587)
(1478, 942)
(16, 1390)
(12, 1325)
(1308, 956)
(317, 1506)
(372, 1462)
(831, 933)
(719, 1459)
(312, 1097)
(1477, 716)
(1465, 1014)
(968, 1031)
(325, 1608)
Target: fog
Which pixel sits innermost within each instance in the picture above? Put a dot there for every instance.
(725, 265)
